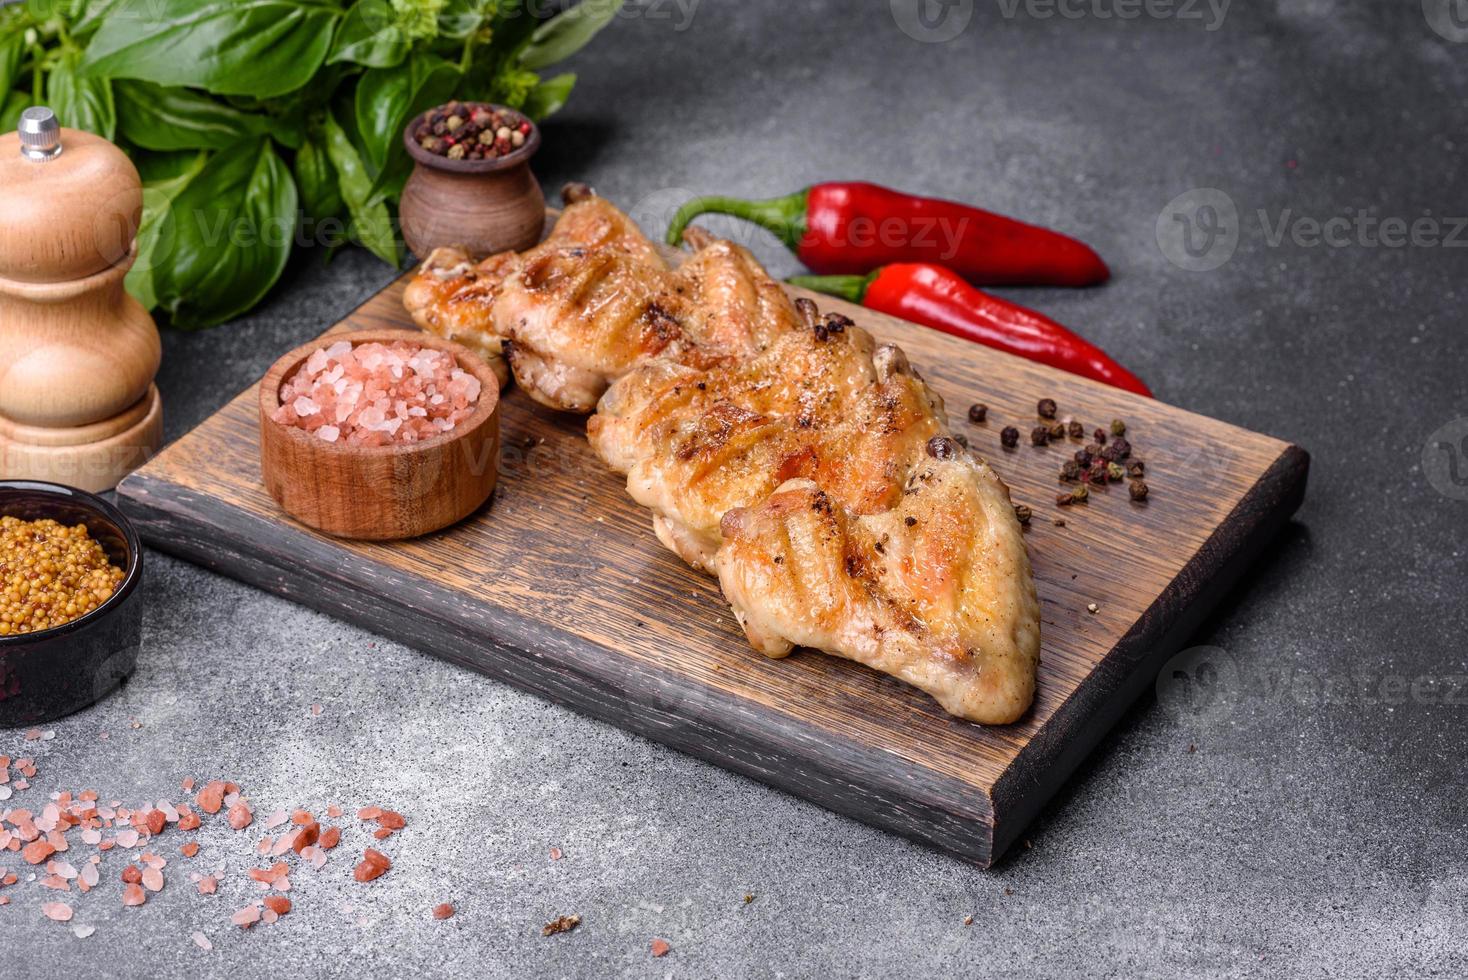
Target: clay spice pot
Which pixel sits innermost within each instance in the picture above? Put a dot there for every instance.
(381, 492)
(471, 184)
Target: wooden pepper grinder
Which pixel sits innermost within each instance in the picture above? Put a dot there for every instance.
(77, 353)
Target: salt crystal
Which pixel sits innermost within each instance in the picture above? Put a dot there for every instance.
(365, 395)
(82, 932)
(202, 941)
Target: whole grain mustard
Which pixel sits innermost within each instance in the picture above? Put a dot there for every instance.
(50, 574)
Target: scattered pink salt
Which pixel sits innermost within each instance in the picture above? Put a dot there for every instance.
(246, 917)
(202, 941)
(208, 885)
(239, 815)
(57, 911)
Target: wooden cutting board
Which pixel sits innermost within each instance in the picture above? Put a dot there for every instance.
(559, 587)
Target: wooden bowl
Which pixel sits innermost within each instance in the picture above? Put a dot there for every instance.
(486, 206)
(381, 492)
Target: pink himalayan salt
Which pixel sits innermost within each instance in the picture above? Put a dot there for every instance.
(377, 394)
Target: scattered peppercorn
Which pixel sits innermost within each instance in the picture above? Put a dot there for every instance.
(1100, 435)
(1083, 457)
(1138, 490)
(50, 574)
(1118, 427)
(1070, 471)
(1122, 447)
(1115, 472)
(978, 413)
(564, 923)
(1108, 453)
(1077, 496)
(1023, 513)
(1009, 438)
(1046, 408)
(1039, 435)
(1059, 522)
(1097, 473)
(1075, 430)
(1057, 431)
(1135, 468)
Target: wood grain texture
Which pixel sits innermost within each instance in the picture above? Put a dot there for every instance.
(560, 588)
(381, 492)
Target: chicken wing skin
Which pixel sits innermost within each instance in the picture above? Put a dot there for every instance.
(936, 591)
(824, 403)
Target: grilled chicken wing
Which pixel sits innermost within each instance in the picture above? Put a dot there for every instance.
(594, 300)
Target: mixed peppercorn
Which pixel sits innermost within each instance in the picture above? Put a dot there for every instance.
(472, 131)
(50, 574)
(1106, 459)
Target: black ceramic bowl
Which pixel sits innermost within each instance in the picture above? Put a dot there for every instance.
(57, 671)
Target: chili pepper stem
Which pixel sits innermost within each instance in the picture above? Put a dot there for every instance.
(853, 289)
(784, 216)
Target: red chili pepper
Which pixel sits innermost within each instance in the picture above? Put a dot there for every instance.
(843, 228)
(936, 297)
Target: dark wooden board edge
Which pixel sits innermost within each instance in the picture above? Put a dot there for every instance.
(1078, 725)
(284, 559)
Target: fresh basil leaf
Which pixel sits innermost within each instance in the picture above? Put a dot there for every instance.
(369, 35)
(230, 231)
(81, 101)
(12, 55)
(388, 97)
(92, 14)
(165, 175)
(159, 168)
(457, 19)
(11, 107)
(548, 97)
(320, 194)
(568, 32)
(158, 118)
(262, 48)
(371, 224)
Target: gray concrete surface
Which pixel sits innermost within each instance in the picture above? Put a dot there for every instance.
(1307, 834)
